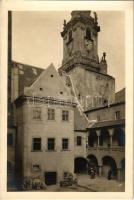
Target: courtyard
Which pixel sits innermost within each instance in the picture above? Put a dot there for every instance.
(85, 184)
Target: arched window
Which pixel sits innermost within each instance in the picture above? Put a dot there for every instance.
(88, 34)
(70, 35)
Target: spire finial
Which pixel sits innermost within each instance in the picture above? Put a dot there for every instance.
(104, 56)
(64, 24)
(95, 17)
(103, 59)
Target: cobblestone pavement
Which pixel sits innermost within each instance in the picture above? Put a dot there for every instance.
(100, 184)
(85, 184)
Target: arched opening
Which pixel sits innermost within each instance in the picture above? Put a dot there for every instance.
(88, 34)
(101, 140)
(109, 165)
(92, 138)
(105, 138)
(93, 162)
(122, 166)
(119, 137)
(80, 165)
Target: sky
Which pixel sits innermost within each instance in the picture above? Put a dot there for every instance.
(36, 39)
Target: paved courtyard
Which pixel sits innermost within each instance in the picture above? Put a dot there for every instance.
(85, 184)
(100, 184)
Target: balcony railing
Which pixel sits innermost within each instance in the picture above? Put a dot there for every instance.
(117, 149)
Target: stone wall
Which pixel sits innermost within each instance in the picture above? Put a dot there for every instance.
(90, 85)
(80, 151)
(59, 161)
(107, 113)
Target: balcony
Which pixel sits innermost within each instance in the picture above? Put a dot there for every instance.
(115, 151)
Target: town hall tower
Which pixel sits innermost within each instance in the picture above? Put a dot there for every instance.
(82, 63)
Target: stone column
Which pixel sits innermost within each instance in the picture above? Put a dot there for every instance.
(119, 174)
(98, 132)
(87, 134)
(111, 132)
(100, 170)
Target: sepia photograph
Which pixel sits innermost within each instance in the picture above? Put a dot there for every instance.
(66, 120)
(68, 128)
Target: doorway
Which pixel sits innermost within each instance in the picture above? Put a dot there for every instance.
(50, 178)
(80, 165)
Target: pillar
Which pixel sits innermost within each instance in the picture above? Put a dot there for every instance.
(98, 132)
(100, 170)
(111, 132)
(87, 134)
(119, 174)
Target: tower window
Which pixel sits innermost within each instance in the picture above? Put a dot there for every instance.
(117, 115)
(88, 34)
(70, 36)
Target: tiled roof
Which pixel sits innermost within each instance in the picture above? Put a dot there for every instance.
(104, 107)
(108, 123)
(120, 96)
(26, 75)
(80, 123)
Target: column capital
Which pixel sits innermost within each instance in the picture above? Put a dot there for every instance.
(98, 132)
(111, 131)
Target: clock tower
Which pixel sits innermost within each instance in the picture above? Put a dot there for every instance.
(80, 40)
(80, 57)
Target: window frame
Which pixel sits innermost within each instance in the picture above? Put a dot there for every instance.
(50, 114)
(51, 149)
(34, 115)
(36, 150)
(65, 115)
(88, 34)
(35, 169)
(78, 141)
(117, 115)
(65, 149)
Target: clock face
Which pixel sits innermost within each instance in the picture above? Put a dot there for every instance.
(89, 45)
